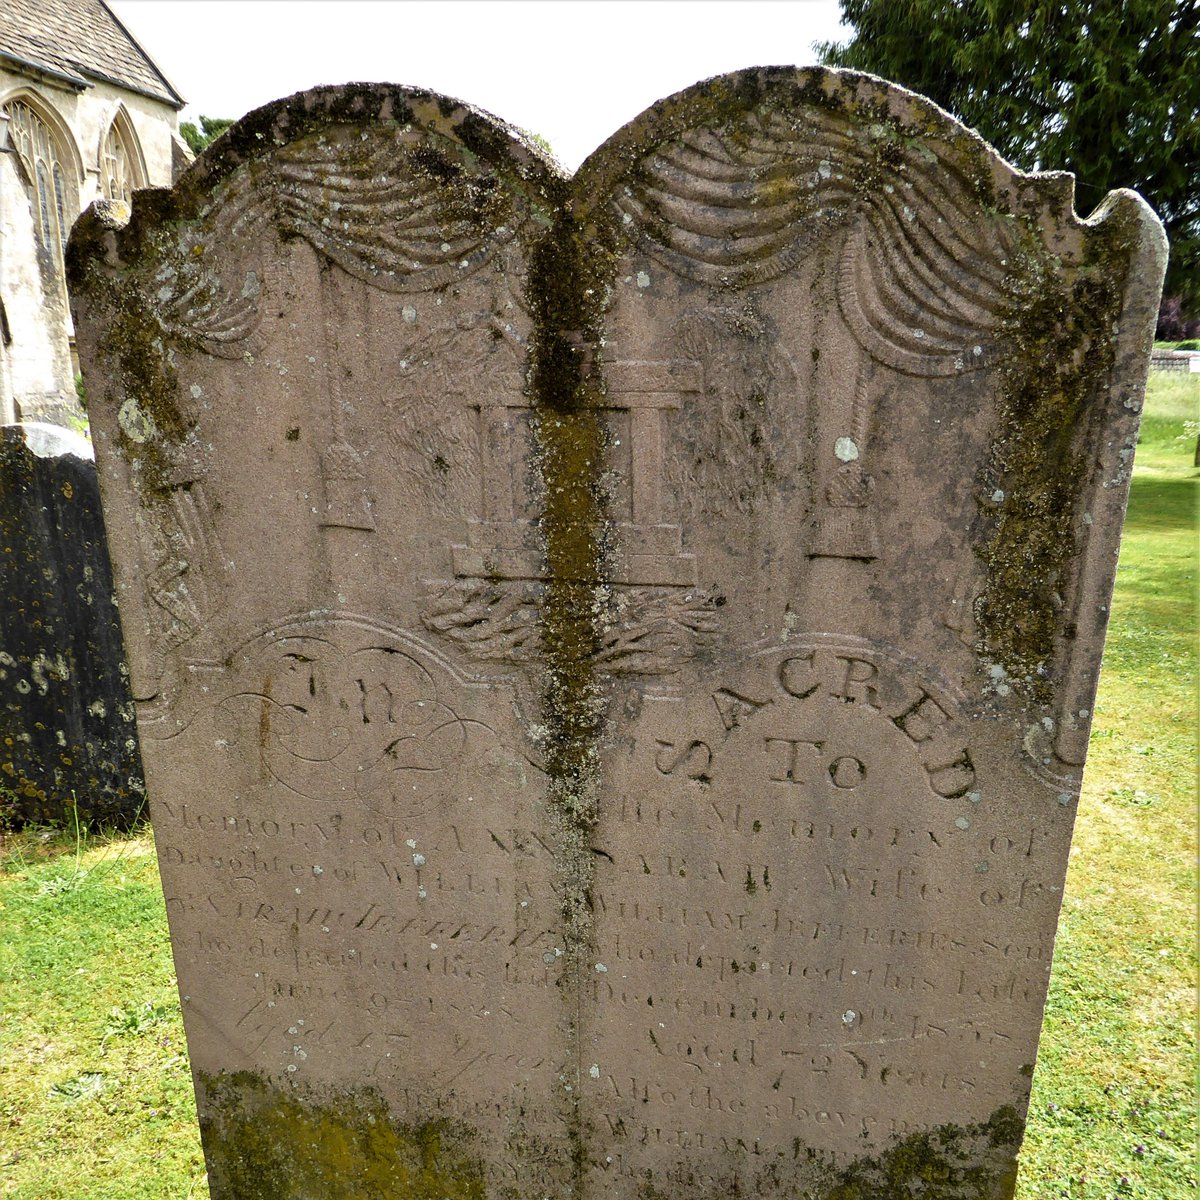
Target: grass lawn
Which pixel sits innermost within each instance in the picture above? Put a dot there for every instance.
(1113, 1112)
(95, 1095)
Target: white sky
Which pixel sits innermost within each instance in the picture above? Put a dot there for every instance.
(573, 71)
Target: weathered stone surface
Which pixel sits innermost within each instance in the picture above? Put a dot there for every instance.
(67, 732)
(614, 656)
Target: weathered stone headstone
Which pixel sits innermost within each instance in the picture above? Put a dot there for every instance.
(68, 740)
(614, 656)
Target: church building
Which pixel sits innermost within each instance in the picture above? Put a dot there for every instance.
(84, 115)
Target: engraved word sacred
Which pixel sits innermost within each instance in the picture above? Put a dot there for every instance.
(809, 714)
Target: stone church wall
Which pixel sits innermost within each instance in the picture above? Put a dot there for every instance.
(37, 362)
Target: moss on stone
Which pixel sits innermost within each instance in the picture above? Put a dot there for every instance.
(570, 272)
(570, 445)
(1059, 347)
(266, 1141)
(950, 1162)
(143, 384)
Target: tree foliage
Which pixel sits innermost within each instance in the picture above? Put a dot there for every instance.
(1106, 89)
(210, 129)
(1173, 326)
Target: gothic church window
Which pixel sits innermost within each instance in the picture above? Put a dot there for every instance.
(54, 205)
(117, 162)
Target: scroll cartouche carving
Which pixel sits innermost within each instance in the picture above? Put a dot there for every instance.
(341, 702)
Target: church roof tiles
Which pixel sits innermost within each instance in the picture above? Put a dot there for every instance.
(78, 42)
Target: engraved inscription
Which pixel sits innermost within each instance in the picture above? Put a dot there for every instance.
(335, 707)
(693, 759)
(773, 910)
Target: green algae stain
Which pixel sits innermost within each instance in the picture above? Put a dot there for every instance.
(265, 1141)
(948, 1162)
(135, 345)
(1058, 329)
(569, 273)
(951, 1162)
(570, 447)
(571, 266)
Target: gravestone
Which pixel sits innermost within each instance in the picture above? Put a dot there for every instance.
(68, 741)
(614, 656)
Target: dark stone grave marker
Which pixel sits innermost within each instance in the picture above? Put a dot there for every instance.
(67, 730)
